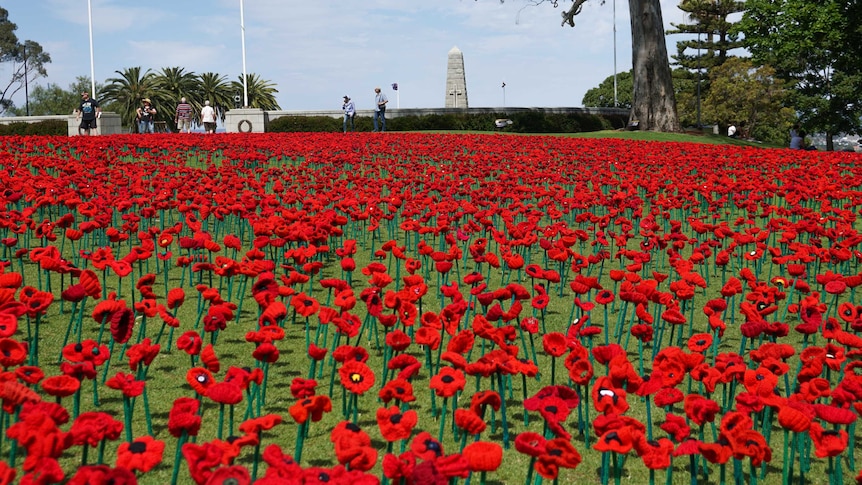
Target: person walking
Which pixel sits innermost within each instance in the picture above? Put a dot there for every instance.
(380, 101)
(183, 117)
(88, 112)
(208, 117)
(146, 117)
(349, 110)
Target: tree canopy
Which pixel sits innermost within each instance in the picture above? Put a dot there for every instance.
(27, 60)
(814, 46)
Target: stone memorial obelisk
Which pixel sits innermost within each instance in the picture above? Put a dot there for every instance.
(456, 80)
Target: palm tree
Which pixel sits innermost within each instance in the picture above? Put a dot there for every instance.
(127, 91)
(261, 94)
(172, 84)
(214, 88)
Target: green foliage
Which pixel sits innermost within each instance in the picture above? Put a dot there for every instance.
(752, 98)
(527, 122)
(291, 124)
(215, 88)
(603, 95)
(814, 47)
(127, 91)
(26, 61)
(261, 93)
(171, 84)
(42, 128)
(54, 100)
(715, 34)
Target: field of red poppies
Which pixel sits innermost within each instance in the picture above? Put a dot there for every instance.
(427, 309)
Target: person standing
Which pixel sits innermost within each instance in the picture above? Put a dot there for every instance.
(183, 117)
(349, 110)
(88, 112)
(380, 101)
(146, 117)
(208, 117)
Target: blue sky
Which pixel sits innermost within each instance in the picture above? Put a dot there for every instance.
(317, 51)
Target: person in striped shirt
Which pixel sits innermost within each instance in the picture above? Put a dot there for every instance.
(183, 117)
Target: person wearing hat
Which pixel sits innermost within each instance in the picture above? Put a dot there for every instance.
(146, 117)
(349, 110)
(88, 111)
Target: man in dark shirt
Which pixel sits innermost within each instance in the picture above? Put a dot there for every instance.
(88, 111)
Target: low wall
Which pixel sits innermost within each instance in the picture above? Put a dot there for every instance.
(108, 124)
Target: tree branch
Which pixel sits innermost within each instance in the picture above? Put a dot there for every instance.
(569, 15)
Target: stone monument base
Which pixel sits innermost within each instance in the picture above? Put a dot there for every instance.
(245, 120)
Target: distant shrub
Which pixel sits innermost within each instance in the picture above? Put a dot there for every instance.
(46, 127)
(522, 122)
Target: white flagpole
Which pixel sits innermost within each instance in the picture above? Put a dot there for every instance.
(92, 64)
(244, 75)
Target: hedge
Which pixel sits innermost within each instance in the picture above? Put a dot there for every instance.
(47, 127)
(526, 122)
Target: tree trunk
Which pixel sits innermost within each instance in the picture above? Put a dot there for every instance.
(654, 106)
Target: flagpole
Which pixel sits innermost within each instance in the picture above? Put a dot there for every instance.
(92, 64)
(504, 94)
(244, 75)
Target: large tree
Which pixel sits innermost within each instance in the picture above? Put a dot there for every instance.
(214, 88)
(750, 97)
(173, 83)
(127, 91)
(814, 46)
(54, 100)
(603, 95)
(653, 102)
(261, 93)
(27, 61)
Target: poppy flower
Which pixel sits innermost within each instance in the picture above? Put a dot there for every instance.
(312, 407)
(483, 456)
(260, 424)
(200, 379)
(122, 324)
(469, 422)
(398, 389)
(210, 359)
(233, 474)
(12, 353)
(90, 428)
(394, 424)
(29, 374)
(142, 454)
(447, 382)
(558, 453)
(142, 353)
(190, 342)
(127, 384)
(398, 467)
(356, 376)
(700, 410)
(607, 399)
(554, 344)
(619, 440)
(656, 454)
(184, 418)
(60, 385)
(425, 447)
(827, 443)
(101, 474)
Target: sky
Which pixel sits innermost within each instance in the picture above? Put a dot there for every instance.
(317, 51)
